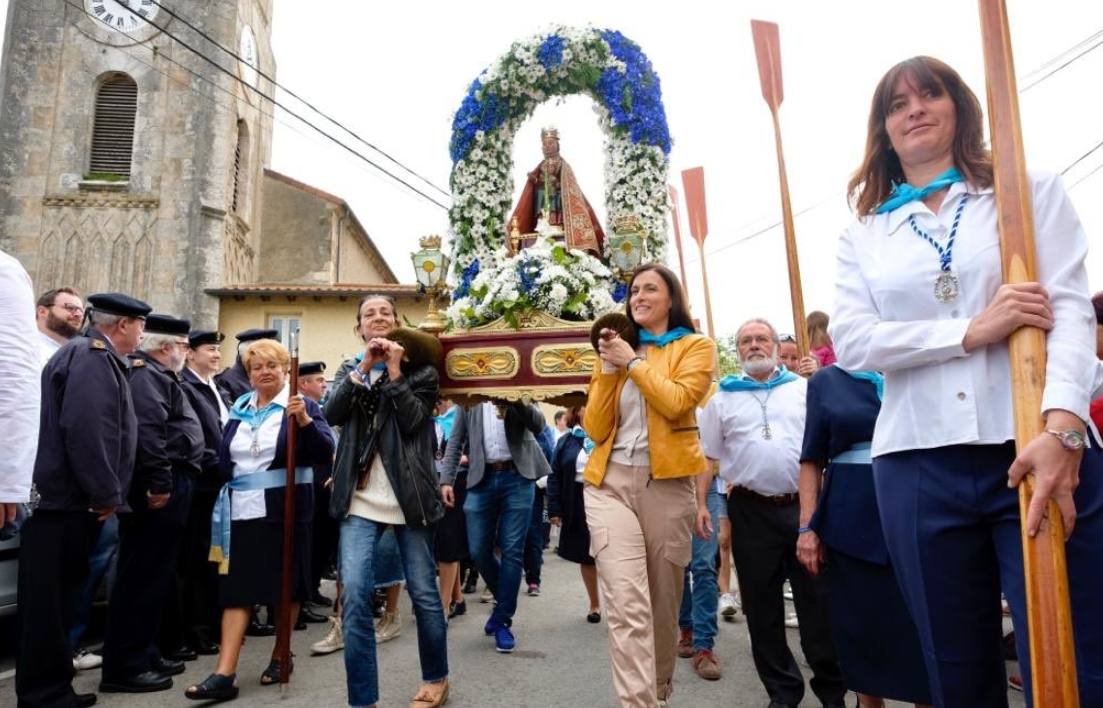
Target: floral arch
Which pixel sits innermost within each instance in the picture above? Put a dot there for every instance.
(487, 282)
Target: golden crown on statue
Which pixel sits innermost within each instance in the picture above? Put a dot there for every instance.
(549, 132)
(431, 241)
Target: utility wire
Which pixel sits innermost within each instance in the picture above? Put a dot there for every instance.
(1039, 80)
(1094, 170)
(296, 96)
(1081, 158)
(1045, 65)
(272, 100)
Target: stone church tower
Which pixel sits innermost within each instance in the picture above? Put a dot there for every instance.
(127, 162)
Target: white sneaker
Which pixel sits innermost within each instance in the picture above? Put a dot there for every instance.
(334, 641)
(389, 627)
(729, 607)
(487, 596)
(84, 660)
(791, 620)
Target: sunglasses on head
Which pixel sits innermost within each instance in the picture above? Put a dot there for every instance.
(786, 338)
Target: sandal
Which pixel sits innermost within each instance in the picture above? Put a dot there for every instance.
(216, 687)
(424, 697)
(272, 675)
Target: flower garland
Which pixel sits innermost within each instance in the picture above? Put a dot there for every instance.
(627, 96)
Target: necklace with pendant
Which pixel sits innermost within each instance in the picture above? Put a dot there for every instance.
(946, 285)
(767, 432)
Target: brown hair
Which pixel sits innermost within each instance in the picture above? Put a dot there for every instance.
(872, 183)
(574, 416)
(375, 296)
(679, 309)
(817, 328)
(47, 298)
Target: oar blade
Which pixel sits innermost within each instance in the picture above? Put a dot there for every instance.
(767, 49)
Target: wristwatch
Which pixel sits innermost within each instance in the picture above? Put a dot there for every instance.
(1073, 440)
(632, 362)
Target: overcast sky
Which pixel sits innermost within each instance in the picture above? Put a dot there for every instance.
(396, 72)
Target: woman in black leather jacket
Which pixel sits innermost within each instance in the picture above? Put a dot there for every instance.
(384, 475)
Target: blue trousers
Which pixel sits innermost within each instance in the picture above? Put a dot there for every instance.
(101, 563)
(699, 599)
(952, 529)
(359, 542)
(500, 506)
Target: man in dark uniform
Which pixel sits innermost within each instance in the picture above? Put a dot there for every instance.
(170, 449)
(86, 446)
(199, 613)
(234, 381)
(312, 384)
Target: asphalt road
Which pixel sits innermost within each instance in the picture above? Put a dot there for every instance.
(560, 661)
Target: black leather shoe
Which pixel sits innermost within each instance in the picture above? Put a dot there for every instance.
(169, 667)
(308, 615)
(83, 700)
(256, 629)
(331, 573)
(301, 624)
(145, 682)
(180, 653)
(317, 598)
(206, 647)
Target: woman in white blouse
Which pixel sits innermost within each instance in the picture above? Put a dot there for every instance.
(247, 525)
(919, 296)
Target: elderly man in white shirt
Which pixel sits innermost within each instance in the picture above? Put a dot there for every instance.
(754, 427)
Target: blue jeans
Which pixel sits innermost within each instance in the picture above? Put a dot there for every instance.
(100, 563)
(699, 606)
(387, 562)
(359, 540)
(500, 506)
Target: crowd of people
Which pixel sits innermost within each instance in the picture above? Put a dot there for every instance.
(872, 478)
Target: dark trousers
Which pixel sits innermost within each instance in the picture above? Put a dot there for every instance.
(952, 529)
(324, 537)
(535, 540)
(149, 542)
(191, 610)
(764, 540)
(53, 562)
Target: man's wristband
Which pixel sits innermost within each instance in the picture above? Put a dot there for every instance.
(804, 529)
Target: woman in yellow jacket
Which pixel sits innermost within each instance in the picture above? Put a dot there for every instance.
(639, 495)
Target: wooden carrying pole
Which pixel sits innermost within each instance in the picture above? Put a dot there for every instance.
(283, 632)
(1049, 616)
(693, 180)
(767, 49)
(675, 213)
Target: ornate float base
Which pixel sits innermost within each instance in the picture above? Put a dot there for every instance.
(543, 359)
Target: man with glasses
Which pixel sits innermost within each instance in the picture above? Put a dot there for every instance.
(59, 314)
(789, 356)
(86, 446)
(170, 451)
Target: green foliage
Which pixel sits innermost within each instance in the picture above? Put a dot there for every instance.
(105, 177)
(728, 355)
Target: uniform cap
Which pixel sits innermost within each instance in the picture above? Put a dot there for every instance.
(166, 324)
(199, 337)
(251, 335)
(118, 304)
(312, 367)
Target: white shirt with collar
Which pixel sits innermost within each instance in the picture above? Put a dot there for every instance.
(731, 432)
(223, 412)
(250, 504)
(47, 347)
(495, 446)
(887, 318)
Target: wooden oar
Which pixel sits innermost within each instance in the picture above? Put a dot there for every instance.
(283, 631)
(677, 217)
(767, 49)
(1049, 616)
(693, 180)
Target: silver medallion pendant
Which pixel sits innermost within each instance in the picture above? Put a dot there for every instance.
(767, 434)
(255, 448)
(946, 287)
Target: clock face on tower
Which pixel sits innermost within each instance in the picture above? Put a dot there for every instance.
(247, 50)
(122, 15)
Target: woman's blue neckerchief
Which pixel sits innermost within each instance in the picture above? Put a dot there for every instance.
(242, 411)
(445, 422)
(378, 366)
(874, 377)
(587, 443)
(663, 339)
(746, 383)
(904, 193)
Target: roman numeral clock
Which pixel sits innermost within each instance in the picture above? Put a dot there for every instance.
(122, 15)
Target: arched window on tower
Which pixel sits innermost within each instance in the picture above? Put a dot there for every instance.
(113, 128)
(241, 169)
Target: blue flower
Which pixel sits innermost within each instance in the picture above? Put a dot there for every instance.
(469, 274)
(487, 114)
(550, 53)
(527, 270)
(620, 291)
(633, 98)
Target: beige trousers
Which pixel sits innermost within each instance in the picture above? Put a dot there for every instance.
(640, 539)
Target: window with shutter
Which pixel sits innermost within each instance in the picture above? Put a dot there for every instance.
(113, 128)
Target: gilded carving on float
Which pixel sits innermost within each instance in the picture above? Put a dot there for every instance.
(482, 363)
(564, 360)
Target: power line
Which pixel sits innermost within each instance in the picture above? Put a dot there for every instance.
(1094, 170)
(1080, 159)
(294, 95)
(1045, 65)
(1034, 83)
(272, 100)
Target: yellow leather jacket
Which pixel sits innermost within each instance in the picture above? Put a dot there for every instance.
(673, 380)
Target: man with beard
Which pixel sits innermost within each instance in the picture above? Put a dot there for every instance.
(170, 450)
(59, 314)
(754, 427)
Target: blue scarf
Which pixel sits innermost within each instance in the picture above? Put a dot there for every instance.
(445, 422)
(874, 377)
(746, 383)
(662, 340)
(904, 193)
(378, 366)
(587, 443)
(242, 411)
